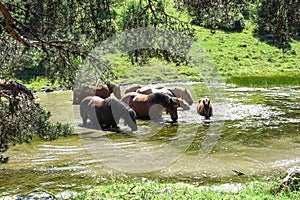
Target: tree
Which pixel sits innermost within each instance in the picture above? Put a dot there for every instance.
(54, 34)
(152, 14)
(217, 14)
(279, 22)
(21, 118)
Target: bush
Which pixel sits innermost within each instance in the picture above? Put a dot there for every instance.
(22, 118)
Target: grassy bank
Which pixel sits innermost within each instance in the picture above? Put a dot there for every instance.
(265, 81)
(156, 190)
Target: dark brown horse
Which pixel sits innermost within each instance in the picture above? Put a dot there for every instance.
(151, 106)
(205, 108)
(103, 91)
(107, 112)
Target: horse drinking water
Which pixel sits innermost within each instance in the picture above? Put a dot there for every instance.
(107, 112)
(147, 106)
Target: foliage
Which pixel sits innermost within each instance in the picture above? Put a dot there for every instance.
(22, 118)
(152, 14)
(220, 14)
(53, 35)
(279, 21)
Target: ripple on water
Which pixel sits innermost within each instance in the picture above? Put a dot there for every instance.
(258, 125)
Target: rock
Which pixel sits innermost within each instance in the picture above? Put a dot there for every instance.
(49, 90)
(292, 179)
(34, 195)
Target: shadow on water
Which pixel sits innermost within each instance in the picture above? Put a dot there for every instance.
(256, 133)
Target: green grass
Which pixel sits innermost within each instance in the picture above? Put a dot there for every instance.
(40, 84)
(244, 56)
(265, 81)
(241, 59)
(156, 190)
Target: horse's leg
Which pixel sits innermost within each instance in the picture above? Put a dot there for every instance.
(84, 116)
(115, 128)
(84, 119)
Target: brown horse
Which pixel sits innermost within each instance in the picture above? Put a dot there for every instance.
(179, 92)
(151, 106)
(103, 91)
(204, 108)
(133, 88)
(107, 112)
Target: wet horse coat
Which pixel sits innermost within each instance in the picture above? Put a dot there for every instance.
(106, 112)
(151, 106)
(179, 92)
(204, 108)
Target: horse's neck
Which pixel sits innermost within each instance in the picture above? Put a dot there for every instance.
(176, 92)
(120, 106)
(162, 100)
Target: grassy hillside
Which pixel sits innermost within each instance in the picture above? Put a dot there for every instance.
(241, 58)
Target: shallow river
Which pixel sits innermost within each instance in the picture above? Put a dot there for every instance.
(254, 130)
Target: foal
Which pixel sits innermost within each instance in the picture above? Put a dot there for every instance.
(204, 108)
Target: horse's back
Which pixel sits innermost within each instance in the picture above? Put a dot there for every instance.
(133, 88)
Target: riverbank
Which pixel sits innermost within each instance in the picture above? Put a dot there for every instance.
(156, 190)
(151, 189)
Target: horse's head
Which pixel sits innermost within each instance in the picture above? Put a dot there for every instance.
(130, 119)
(187, 96)
(172, 108)
(183, 93)
(182, 104)
(206, 107)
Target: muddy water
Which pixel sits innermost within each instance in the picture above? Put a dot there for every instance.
(254, 130)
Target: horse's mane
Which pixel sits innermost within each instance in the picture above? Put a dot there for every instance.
(160, 98)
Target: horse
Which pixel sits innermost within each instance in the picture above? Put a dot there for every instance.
(142, 105)
(205, 108)
(179, 92)
(103, 91)
(107, 112)
(133, 88)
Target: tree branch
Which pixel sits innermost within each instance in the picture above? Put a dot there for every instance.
(8, 19)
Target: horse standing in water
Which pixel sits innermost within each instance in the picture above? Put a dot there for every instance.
(107, 112)
(103, 91)
(204, 108)
(181, 93)
(151, 106)
(133, 88)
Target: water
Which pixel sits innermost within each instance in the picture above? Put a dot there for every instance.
(254, 130)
